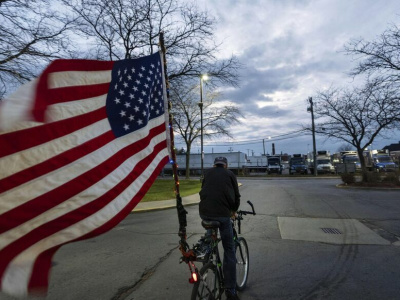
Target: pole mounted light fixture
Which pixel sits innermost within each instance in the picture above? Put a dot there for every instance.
(203, 77)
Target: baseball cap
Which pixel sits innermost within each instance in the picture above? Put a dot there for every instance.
(220, 161)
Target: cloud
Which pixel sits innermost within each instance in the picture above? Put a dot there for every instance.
(291, 49)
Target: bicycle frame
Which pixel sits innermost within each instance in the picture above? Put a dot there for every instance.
(216, 261)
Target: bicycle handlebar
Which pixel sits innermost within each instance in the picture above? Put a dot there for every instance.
(243, 212)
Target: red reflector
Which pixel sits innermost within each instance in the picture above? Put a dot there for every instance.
(194, 276)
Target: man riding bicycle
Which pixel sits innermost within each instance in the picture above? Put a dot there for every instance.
(219, 200)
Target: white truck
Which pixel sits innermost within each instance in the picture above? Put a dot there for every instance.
(274, 164)
(324, 163)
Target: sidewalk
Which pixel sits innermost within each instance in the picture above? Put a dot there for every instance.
(165, 204)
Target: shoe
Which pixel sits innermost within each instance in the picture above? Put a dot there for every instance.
(201, 248)
(231, 295)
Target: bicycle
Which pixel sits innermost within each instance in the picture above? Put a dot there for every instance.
(209, 281)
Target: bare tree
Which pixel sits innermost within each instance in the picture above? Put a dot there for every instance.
(379, 58)
(119, 29)
(31, 34)
(358, 115)
(216, 119)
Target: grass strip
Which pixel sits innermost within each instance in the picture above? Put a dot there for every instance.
(163, 189)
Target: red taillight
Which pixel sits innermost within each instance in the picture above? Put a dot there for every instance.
(193, 279)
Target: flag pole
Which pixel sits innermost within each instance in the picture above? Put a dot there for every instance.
(184, 247)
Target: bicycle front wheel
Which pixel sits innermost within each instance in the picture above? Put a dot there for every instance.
(208, 285)
(242, 263)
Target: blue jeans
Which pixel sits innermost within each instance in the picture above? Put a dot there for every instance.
(229, 263)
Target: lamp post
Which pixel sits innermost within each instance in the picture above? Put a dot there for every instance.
(202, 78)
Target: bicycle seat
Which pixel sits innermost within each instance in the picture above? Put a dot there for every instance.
(208, 224)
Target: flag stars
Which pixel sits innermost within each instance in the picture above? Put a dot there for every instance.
(136, 92)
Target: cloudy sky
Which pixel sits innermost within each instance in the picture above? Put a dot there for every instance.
(290, 49)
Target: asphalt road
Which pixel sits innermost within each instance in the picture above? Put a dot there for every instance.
(139, 258)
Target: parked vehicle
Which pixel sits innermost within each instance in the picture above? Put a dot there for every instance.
(351, 157)
(324, 164)
(297, 164)
(257, 164)
(379, 161)
(274, 164)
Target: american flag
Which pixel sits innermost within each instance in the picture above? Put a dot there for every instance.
(80, 147)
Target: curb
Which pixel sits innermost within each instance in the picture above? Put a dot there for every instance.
(165, 204)
(341, 186)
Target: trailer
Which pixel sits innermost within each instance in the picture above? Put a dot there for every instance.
(256, 164)
(237, 163)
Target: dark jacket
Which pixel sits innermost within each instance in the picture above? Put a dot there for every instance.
(219, 194)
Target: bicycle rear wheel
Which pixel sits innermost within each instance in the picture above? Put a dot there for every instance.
(242, 263)
(208, 285)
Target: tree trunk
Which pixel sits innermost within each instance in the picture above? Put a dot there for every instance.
(187, 162)
(364, 170)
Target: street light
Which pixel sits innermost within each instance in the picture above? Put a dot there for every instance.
(202, 78)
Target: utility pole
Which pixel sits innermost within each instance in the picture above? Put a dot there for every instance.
(311, 109)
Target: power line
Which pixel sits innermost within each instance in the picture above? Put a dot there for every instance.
(279, 137)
